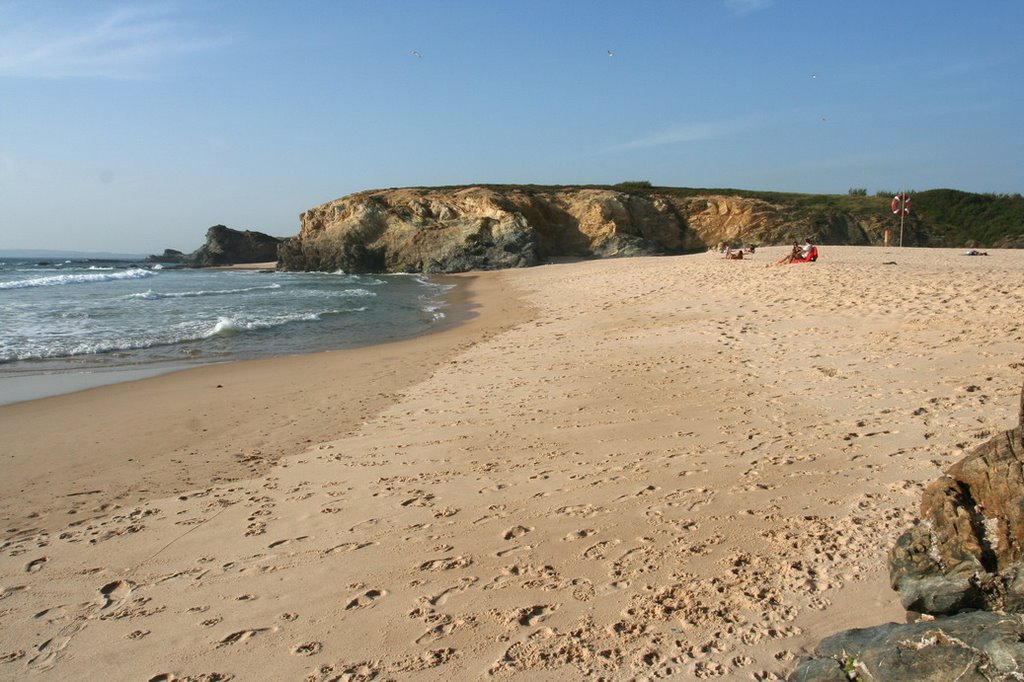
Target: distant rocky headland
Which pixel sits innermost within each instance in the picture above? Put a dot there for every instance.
(485, 227)
(225, 246)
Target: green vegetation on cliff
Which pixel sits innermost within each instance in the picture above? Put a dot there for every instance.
(940, 217)
(957, 218)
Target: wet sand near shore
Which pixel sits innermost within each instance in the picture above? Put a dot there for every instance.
(81, 454)
(640, 468)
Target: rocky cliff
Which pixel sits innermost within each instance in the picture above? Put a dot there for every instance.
(482, 228)
(225, 246)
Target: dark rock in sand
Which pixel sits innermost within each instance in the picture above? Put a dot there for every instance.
(974, 646)
(966, 551)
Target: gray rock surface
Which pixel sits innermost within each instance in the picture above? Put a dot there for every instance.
(971, 646)
(225, 246)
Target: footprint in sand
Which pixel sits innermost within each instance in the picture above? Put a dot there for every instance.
(365, 599)
(534, 614)
(446, 564)
(444, 627)
(8, 591)
(579, 535)
(307, 649)
(582, 589)
(348, 547)
(242, 636)
(115, 593)
(513, 550)
(35, 564)
(441, 597)
(12, 656)
(516, 532)
(278, 543)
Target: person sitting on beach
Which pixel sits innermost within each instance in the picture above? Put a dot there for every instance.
(733, 255)
(808, 253)
(791, 256)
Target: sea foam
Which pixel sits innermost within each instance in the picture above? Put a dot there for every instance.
(60, 280)
(151, 295)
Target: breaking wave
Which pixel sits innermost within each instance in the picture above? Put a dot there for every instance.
(153, 296)
(60, 280)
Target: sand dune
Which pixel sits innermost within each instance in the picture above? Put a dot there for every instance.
(621, 469)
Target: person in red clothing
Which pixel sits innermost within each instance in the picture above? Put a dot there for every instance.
(808, 253)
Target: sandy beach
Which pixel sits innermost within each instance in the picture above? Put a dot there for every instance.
(624, 469)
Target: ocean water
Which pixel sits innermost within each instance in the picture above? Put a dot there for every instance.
(75, 316)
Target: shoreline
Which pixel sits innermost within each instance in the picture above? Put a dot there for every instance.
(213, 408)
(35, 379)
(630, 468)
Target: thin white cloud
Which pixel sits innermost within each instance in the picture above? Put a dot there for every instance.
(745, 7)
(8, 167)
(689, 132)
(126, 43)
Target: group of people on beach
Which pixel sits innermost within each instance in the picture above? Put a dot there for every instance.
(808, 253)
(729, 253)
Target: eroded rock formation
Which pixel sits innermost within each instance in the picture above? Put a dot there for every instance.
(225, 246)
(481, 228)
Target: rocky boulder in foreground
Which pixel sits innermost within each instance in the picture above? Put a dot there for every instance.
(977, 646)
(961, 565)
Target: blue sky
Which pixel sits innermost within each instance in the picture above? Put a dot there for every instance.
(135, 126)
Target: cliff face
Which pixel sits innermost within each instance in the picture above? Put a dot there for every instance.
(225, 246)
(479, 228)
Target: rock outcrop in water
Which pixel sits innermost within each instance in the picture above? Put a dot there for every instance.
(962, 567)
(225, 246)
(482, 228)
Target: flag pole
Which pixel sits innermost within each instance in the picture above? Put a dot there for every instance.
(903, 212)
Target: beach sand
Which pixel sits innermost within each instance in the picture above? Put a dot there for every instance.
(618, 469)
